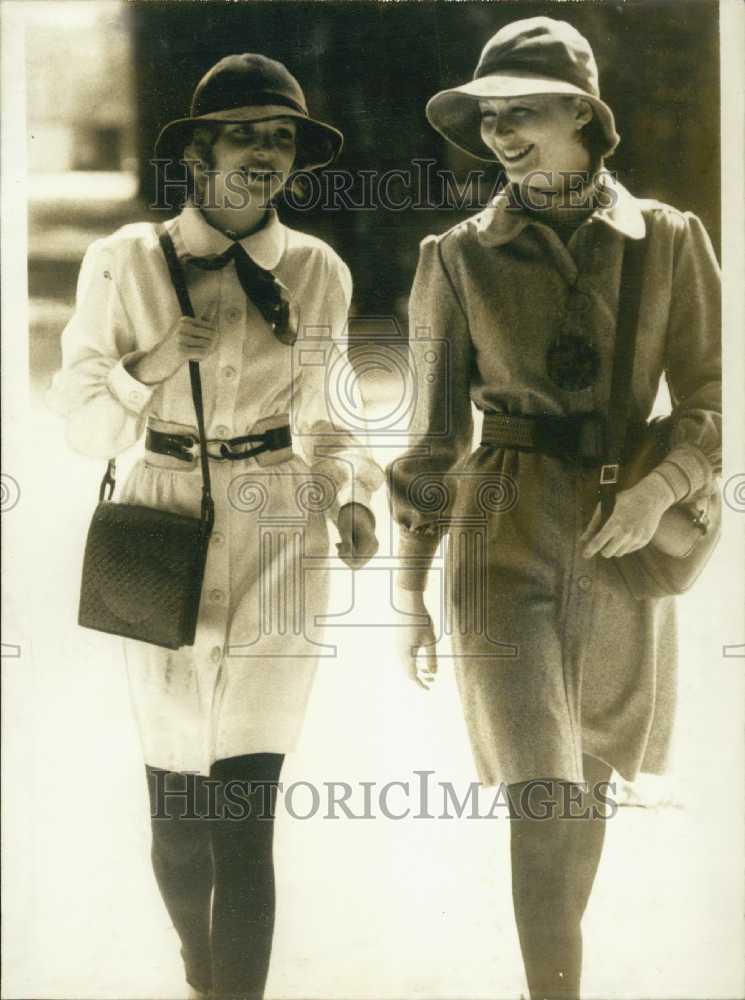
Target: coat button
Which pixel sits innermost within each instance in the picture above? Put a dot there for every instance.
(217, 596)
(222, 431)
(217, 538)
(232, 314)
(584, 583)
(228, 372)
(216, 654)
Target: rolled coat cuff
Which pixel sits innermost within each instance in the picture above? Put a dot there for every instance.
(133, 395)
(687, 471)
(416, 550)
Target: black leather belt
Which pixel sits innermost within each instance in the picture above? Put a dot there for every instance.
(185, 446)
(579, 437)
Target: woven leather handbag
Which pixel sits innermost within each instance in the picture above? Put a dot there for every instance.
(688, 531)
(143, 567)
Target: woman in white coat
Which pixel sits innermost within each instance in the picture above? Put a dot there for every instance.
(216, 718)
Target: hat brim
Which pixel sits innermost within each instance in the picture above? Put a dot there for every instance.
(455, 113)
(319, 144)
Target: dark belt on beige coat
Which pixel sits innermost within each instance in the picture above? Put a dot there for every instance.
(578, 437)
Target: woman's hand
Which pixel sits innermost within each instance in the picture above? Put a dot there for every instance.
(188, 340)
(410, 639)
(356, 524)
(635, 518)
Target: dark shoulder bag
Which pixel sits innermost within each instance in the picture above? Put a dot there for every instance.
(143, 567)
(688, 531)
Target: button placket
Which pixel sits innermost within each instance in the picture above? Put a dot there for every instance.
(228, 367)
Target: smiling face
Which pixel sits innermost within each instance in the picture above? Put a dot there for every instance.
(259, 155)
(537, 139)
(242, 165)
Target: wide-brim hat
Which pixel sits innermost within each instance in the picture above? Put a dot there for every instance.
(530, 57)
(252, 88)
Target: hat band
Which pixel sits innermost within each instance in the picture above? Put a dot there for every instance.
(259, 99)
(516, 69)
(252, 113)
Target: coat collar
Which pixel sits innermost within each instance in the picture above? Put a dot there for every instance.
(200, 239)
(502, 220)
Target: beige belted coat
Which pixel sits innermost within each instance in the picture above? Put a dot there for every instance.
(554, 657)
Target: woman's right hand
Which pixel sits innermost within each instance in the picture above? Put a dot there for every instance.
(416, 642)
(189, 339)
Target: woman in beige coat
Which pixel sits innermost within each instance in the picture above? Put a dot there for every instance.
(217, 718)
(563, 673)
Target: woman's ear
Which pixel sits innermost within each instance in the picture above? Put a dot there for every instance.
(192, 157)
(583, 112)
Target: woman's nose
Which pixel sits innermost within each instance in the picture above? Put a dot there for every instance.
(502, 123)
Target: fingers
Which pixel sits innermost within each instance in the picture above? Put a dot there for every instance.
(614, 547)
(426, 666)
(356, 549)
(210, 312)
(196, 338)
(615, 540)
(625, 531)
(593, 525)
(602, 537)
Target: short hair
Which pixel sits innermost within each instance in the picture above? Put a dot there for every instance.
(202, 140)
(592, 135)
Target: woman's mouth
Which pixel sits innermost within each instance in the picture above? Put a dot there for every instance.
(254, 174)
(515, 155)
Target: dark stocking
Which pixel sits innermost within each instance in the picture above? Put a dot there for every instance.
(212, 857)
(554, 861)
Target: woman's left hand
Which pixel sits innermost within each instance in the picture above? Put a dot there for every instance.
(635, 518)
(356, 524)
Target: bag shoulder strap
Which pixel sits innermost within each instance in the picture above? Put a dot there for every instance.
(619, 403)
(179, 284)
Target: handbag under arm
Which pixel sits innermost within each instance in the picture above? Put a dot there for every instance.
(688, 531)
(143, 567)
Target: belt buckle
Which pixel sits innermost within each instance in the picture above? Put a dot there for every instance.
(220, 456)
(175, 446)
(609, 474)
(276, 438)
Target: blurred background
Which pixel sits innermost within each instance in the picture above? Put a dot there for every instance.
(103, 76)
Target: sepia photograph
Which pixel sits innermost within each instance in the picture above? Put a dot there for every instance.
(373, 494)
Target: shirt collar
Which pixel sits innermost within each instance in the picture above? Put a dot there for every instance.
(200, 239)
(502, 220)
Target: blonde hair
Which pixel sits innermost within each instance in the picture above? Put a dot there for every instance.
(198, 155)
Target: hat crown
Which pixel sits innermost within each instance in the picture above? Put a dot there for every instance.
(541, 46)
(241, 80)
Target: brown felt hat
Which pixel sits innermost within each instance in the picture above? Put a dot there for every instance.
(252, 88)
(534, 56)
